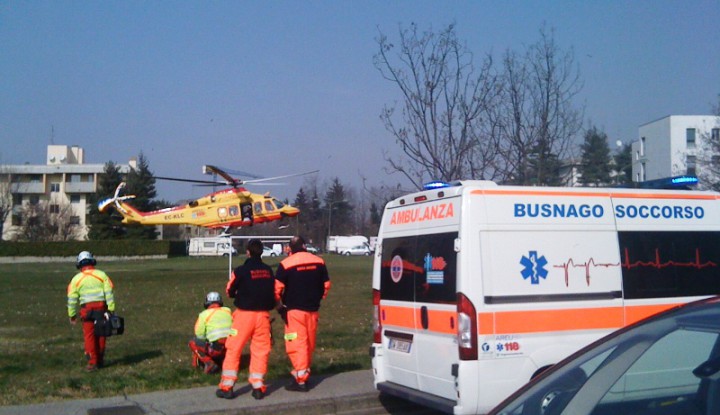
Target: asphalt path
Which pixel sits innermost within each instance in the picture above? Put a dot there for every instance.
(343, 393)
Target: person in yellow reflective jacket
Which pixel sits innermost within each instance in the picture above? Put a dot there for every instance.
(90, 290)
(213, 326)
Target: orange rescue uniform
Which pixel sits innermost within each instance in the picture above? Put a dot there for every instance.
(301, 282)
(251, 285)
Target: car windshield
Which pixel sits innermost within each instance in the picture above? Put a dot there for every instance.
(671, 366)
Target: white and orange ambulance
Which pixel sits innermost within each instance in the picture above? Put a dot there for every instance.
(478, 287)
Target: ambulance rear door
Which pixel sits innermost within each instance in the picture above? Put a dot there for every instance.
(418, 310)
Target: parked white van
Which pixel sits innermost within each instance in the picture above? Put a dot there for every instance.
(211, 247)
(478, 287)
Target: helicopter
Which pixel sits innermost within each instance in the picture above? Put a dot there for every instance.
(234, 207)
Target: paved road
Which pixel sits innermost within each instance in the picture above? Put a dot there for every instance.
(349, 393)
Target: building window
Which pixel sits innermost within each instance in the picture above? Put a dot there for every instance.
(16, 219)
(74, 220)
(17, 199)
(691, 162)
(690, 137)
(75, 178)
(55, 187)
(74, 198)
(54, 208)
(642, 146)
(34, 199)
(715, 134)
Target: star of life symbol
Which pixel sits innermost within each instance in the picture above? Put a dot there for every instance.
(534, 267)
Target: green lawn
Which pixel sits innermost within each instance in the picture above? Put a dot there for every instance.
(42, 354)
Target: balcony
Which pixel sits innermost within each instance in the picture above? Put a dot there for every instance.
(83, 187)
(27, 188)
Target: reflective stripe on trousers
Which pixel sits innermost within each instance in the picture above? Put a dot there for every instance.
(253, 326)
(300, 334)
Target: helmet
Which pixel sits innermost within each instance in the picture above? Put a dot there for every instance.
(213, 297)
(85, 258)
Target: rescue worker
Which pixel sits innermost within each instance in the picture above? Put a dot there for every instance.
(212, 328)
(252, 286)
(92, 290)
(301, 282)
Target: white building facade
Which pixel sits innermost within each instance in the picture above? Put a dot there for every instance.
(64, 181)
(673, 146)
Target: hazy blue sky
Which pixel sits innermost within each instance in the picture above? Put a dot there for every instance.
(277, 87)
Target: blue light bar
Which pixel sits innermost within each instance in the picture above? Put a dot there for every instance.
(689, 180)
(676, 182)
(435, 185)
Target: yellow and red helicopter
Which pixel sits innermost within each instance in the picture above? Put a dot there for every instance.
(228, 208)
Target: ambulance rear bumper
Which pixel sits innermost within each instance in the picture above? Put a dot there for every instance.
(418, 397)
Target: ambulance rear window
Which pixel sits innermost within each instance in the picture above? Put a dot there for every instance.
(419, 268)
(670, 264)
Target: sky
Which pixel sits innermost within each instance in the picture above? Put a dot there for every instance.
(282, 87)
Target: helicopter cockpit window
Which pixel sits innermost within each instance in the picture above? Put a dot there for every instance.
(234, 210)
(257, 207)
(269, 206)
(278, 204)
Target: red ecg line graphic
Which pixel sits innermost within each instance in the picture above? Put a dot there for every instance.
(659, 265)
(589, 263)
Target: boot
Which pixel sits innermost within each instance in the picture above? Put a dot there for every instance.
(226, 394)
(258, 393)
(297, 387)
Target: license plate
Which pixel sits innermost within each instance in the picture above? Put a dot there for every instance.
(399, 345)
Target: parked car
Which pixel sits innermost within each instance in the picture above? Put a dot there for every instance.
(312, 249)
(664, 365)
(267, 251)
(356, 250)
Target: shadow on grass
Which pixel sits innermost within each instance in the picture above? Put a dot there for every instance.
(134, 359)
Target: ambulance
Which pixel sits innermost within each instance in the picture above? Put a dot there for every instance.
(479, 287)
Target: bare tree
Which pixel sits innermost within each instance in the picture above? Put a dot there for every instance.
(536, 119)
(444, 105)
(6, 199)
(48, 221)
(708, 154)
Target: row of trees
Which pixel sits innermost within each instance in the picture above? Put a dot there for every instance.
(514, 120)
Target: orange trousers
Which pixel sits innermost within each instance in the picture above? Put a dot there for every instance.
(94, 345)
(300, 334)
(253, 326)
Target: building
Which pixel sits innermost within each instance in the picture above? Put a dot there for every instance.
(64, 181)
(674, 145)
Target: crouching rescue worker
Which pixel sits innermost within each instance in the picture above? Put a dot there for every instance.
(92, 290)
(212, 328)
(252, 286)
(301, 282)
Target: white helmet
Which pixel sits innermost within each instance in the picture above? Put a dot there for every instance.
(84, 258)
(213, 297)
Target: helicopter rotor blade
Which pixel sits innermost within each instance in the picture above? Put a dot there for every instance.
(280, 177)
(206, 182)
(231, 181)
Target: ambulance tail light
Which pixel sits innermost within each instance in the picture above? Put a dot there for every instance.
(377, 326)
(467, 328)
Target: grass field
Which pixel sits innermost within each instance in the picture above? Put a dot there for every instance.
(41, 357)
